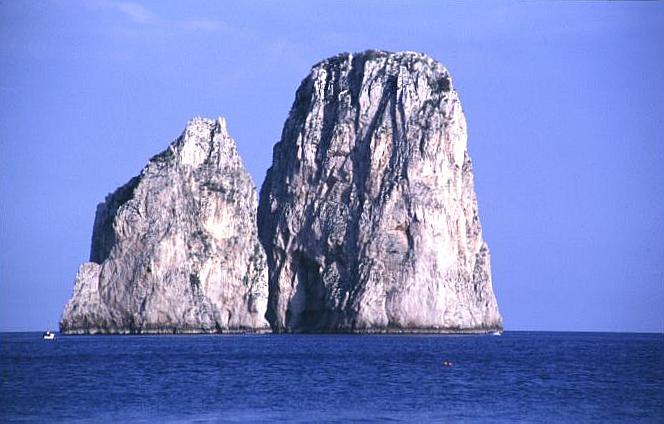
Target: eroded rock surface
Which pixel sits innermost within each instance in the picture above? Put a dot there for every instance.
(368, 214)
(175, 250)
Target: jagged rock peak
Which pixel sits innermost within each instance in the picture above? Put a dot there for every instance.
(204, 139)
(409, 59)
(176, 248)
(368, 214)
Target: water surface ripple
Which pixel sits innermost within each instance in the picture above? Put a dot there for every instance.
(520, 376)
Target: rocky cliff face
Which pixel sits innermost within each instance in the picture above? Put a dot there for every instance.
(368, 214)
(175, 250)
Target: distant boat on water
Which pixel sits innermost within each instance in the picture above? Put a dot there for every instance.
(48, 335)
(497, 333)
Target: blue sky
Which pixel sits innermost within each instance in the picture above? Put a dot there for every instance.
(564, 103)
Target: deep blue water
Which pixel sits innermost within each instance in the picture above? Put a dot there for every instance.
(520, 376)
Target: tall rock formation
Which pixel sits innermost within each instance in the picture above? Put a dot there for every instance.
(175, 250)
(368, 214)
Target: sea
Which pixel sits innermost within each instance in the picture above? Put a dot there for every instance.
(515, 377)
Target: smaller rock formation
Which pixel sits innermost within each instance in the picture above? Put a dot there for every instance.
(175, 250)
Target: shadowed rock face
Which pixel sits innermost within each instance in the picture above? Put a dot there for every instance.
(368, 214)
(175, 250)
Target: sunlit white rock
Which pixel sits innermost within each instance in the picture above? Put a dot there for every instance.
(176, 248)
(368, 214)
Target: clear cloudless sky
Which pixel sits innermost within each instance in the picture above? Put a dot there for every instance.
(564, 103)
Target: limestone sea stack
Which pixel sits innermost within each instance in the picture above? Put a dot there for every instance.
(175, 250)
(368, 213)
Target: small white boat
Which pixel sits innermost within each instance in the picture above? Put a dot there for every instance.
(48, 335)
(497, 333)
